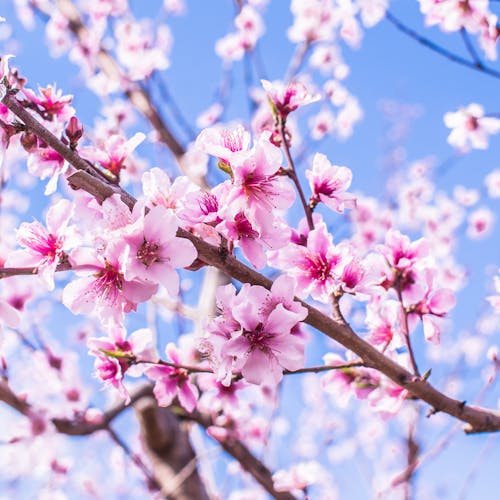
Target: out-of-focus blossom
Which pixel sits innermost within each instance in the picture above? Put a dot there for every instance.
(470, 127)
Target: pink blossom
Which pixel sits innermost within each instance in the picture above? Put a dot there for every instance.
(118, 355)
(466, 197)
(314, 20)
(210, 116)
(44, 162)
(322, 124)
(105, 291)
(316, 266)
(480, 223)
(287, 98)
(400, 252)
(470, 127)
(488, 36)
(113, 152)
(271, 235)
(227, 144)
(256, 188)
(254, 333)
(155, 251)
(51, 103)
(329, 184)
(298, 477)
(452, 15)
(343, 382)
(426, 300)
(171, 382)
(384, 320)
(140, 50)
(46, 248)
(159, 190)
(372, 12)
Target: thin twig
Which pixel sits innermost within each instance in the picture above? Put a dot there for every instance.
(438, 49)
(292, 173)
(470, 48)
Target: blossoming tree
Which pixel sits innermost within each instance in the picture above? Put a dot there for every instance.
(211, 307)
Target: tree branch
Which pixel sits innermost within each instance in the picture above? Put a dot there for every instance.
(478, 66)
(167, 445)
(244, 456)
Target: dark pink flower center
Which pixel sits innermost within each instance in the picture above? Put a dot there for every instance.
(148, 253)
(257, 337)
(243, 227)
(318, 267)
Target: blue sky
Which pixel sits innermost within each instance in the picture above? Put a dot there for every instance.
(389, 65)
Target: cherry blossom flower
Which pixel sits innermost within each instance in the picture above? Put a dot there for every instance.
(227, 144)
(171, 382)
(400, 252)
(249, 27)
(140, 50)
(253, 243)
(426, 300)
(343, 382)
(118, 355)
(44, 162)
(329, 184)
(287, 98)
(452, 15)
(298, 477)
(470, 127)
(480, 223)
(314, 20)
(254, 333)
(46, 248)
(488, 36)
(113, 151)
(155, 251)
(105, 291)
(159, 190)
(256, 188)
(466, 197)
(322, 124)
(51, 102)
(317, 266)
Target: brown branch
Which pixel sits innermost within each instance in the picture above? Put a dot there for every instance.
(244, 456)
(478, 419)
(166, 441)
(292, 172)
(71, 427)
(137, 96)
(7, 272)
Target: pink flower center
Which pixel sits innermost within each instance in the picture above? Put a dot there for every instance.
(318, 267)
(257, 337)
(243, 227)
(208, 203)
(148, 253)
(108, 284)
